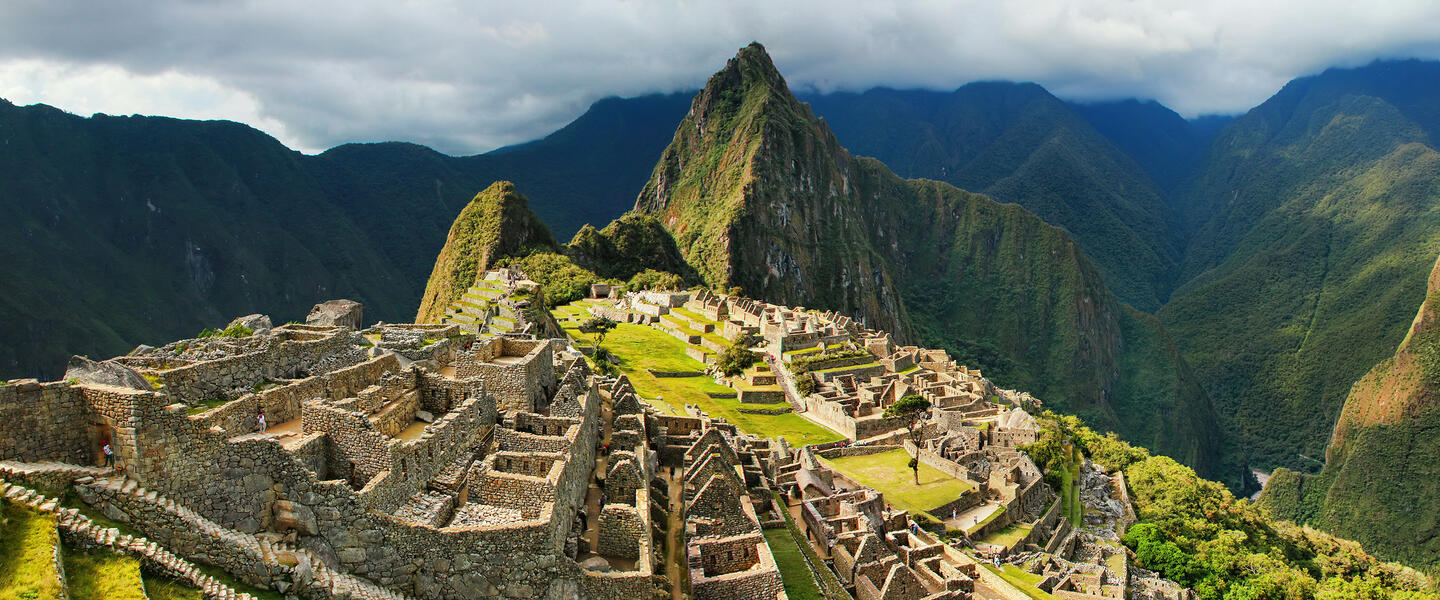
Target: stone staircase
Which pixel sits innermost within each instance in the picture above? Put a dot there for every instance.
(79, 531)
(47, 474)
(309, 574)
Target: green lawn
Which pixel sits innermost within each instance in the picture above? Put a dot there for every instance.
(164, 588)
(27, 542)
(1009, 535)
(888, 473)
(849, 368)
(799, 581)
(103, 576)
(642, 348)
(1022, 580)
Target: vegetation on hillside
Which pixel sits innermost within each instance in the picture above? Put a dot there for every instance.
(1317, 226)
(759, 193)
(1381, 482)
(496, 224)
(1196, 532)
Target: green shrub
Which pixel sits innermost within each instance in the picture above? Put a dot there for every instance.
(805, 384)
(650, 279)
(735, 359)
(234, 331)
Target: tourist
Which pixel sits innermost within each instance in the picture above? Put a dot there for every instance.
(260, 421)
(109, 454)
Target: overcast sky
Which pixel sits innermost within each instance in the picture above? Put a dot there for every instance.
(465, 77)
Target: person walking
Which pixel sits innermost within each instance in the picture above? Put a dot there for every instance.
(109, 454)
(260, 421)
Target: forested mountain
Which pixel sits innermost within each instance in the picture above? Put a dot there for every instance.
(127, 230)
(1381, 482)
(1018, 143)
(1318, 222)
(761, 195)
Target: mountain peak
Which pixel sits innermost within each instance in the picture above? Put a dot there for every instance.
(495, 224)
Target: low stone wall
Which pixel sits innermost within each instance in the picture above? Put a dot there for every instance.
(752, 396)
(232, 376)
(856, 450)
(664, 374)
(765, 411)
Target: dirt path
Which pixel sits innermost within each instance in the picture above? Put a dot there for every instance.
(674, 533)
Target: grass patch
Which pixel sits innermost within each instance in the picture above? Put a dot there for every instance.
(1008, 536)
(1072, 508)
(154, 379)
(1021, 579)
(27, 544)
(103, 576)
(164, 588)
(849, 368)
(207, 404)
(799, 581)
(888, 473)
(642, 348)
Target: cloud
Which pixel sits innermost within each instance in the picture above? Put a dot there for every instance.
(465, 77)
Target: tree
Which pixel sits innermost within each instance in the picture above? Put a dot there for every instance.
(915, 469)
(735, 359)
(911, 408)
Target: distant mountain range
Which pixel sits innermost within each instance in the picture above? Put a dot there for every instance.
(1279, 255)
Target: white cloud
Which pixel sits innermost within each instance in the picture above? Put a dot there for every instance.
(88, 89)
(465, 77)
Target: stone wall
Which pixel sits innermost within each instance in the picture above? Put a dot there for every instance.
(523, 383)
(232, 376)
(620, 531)
(282, 404)
(47, 421)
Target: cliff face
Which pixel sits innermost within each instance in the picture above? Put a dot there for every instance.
(759, 194)
(497, 223)
(1381, 482)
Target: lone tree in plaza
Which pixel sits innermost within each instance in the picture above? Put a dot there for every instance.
(911, 408)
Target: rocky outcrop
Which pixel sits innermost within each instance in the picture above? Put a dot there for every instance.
(259, 323)
(336, 313)
(84, 370)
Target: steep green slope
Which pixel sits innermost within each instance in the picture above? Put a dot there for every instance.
(123, 230)
(1381, 482)
(1169, 148)
(129, 230)
(496, 224)
(1319, 224)
(1018, 143)
(759, 194)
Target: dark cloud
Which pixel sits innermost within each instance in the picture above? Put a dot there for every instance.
(466, 77)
